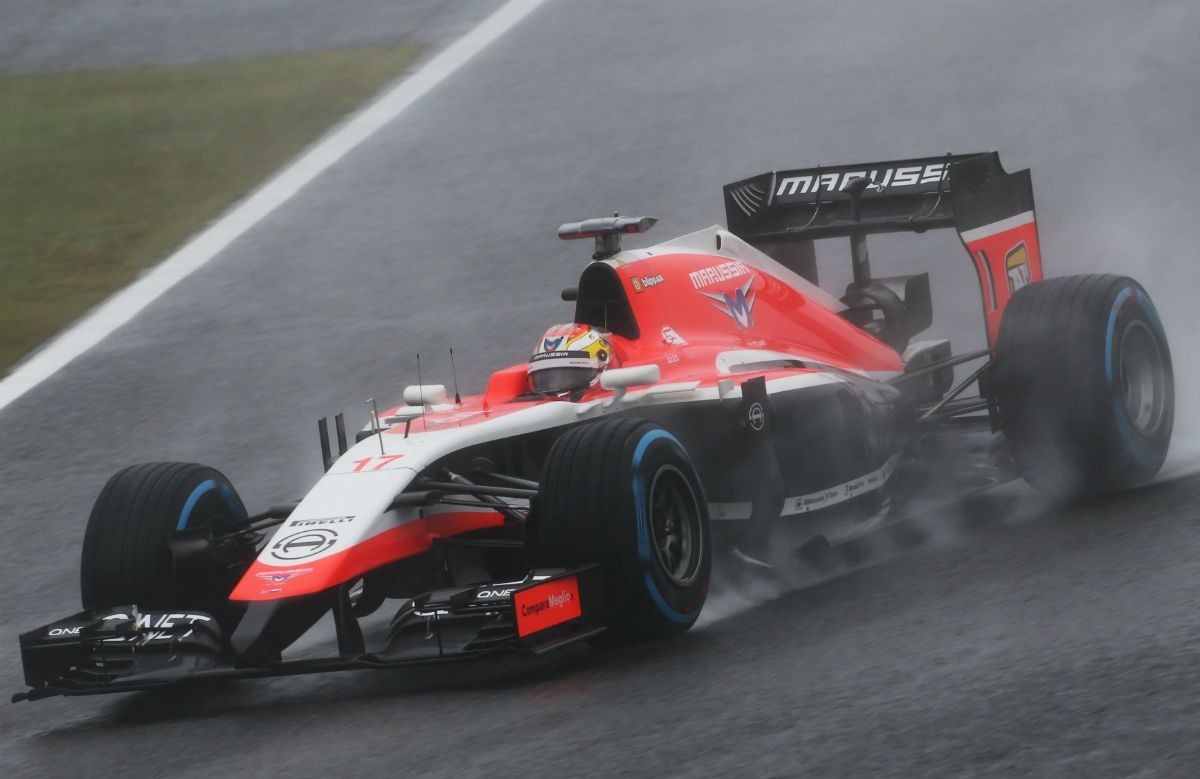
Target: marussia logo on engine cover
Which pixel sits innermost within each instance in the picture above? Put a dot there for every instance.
(715, 274)
(738, 304)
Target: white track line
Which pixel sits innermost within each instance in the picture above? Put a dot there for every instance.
(119, 309)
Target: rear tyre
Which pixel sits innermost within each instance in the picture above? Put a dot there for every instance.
(1083, 380)
(623, 493)
(126, 559)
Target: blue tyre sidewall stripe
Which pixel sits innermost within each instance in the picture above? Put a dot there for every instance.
(1108, 338)
(643, 524)
(202, 489)
(1132, 439)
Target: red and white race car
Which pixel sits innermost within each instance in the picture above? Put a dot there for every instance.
(706, 391)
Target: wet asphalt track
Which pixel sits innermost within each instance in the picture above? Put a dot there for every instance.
(1027, 639)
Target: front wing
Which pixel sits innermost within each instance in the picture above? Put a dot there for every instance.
(124, 649)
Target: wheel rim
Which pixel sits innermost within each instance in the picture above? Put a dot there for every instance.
(675, 530)
(1142, 378)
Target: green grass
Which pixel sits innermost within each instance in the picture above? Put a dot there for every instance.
(103, 173)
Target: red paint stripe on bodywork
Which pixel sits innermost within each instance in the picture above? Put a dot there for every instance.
(411, 538)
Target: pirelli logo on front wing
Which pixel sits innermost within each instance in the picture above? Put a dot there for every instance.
(546, 605)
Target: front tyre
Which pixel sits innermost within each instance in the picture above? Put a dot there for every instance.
(126, 559)
(1083, 381)
(624, 494)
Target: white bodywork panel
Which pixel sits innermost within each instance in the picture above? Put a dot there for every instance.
(362, 483)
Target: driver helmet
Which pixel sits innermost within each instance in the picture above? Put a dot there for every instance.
(568, 357)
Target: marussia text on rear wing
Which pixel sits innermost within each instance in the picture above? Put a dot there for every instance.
(991, 210)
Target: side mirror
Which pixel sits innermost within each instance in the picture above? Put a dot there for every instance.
(424, 394)
(620, 379)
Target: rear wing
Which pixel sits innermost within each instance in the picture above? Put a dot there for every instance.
(783, 212)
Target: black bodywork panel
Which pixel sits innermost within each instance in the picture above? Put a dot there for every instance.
(822, 435)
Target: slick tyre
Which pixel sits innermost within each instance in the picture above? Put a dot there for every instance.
(126, 559)
(624, 494)
(1083, 381)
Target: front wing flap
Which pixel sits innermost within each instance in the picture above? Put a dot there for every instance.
(100, 646)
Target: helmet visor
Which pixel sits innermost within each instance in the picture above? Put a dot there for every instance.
(553, 380)
(562, 371)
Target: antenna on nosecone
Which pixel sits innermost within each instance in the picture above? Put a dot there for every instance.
(454, 374)
(376, 428)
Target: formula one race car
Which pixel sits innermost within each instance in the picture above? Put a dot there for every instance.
(706, 392)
